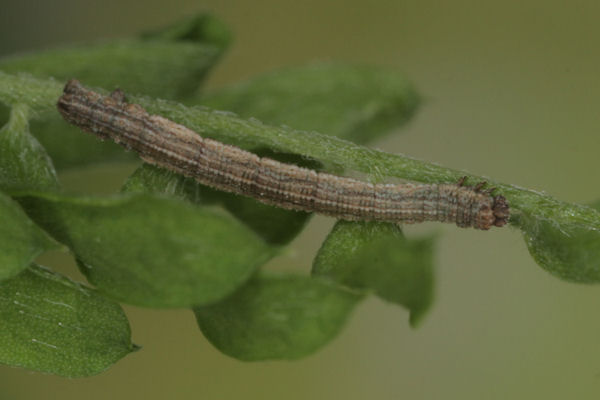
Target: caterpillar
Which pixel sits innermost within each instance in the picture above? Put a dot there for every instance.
(167, 144)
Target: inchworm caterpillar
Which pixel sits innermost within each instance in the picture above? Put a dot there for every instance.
(164, 143)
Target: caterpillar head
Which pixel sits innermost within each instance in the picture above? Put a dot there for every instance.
(501, 211)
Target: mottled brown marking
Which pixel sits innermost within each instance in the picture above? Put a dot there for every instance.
(164, 143)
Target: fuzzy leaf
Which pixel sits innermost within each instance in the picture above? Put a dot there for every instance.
(376, 256)
(351, 102)
(159, 68)
(23, 162)
(201, 28)
(21, 241)
(168, 63)
(276, 317)
(71, 148)
(151, 251)
(39, 95)
(51, 324)
(568, 250)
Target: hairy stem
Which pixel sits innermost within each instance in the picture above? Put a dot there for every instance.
(41, 96)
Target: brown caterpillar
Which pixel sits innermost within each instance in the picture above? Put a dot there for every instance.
(164, 143)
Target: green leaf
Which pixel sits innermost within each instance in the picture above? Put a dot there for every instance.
(23, 162)
(40, 95)
(276, 317)
(570, 251)
(51, 324)
(21, 241)
(169, 63)
(376, 256)
(357, 103)
(201, 28)
(71, 148)
(151, 251)
(159, 68)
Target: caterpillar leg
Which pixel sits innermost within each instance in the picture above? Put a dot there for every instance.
(478, 187)
(118, 96)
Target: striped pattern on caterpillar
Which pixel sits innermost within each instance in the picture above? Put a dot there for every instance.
(165, 143)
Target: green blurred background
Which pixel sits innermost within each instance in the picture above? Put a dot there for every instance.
(511, 90)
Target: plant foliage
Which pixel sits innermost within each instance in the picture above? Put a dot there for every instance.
(167, 241)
